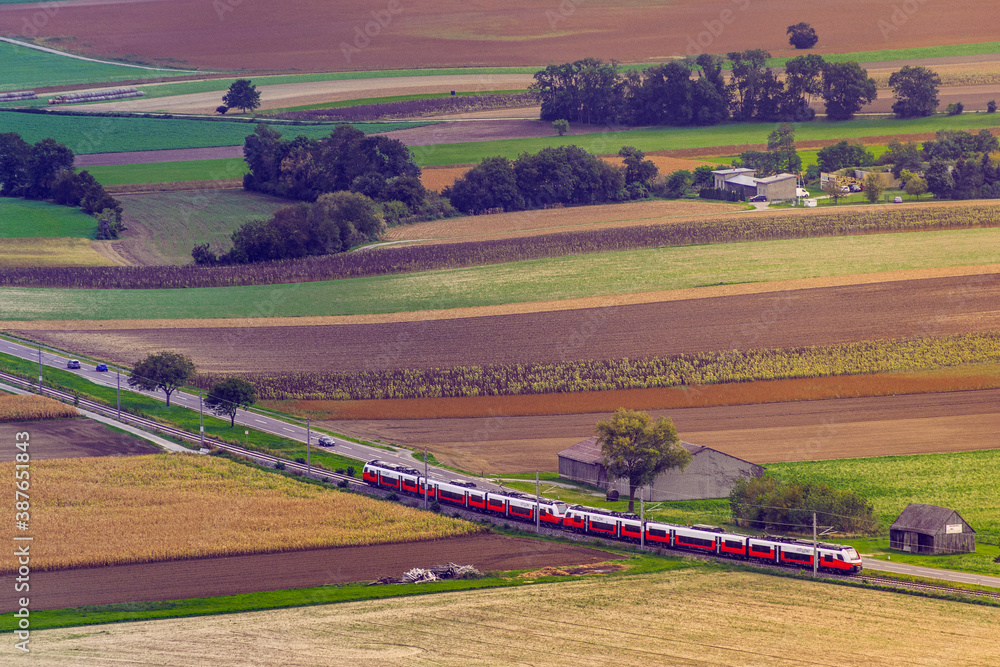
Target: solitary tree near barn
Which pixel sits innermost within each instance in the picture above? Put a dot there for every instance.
(874, 187)
(802, 36)
(242, 95)
(846, 88)
(162, 370)
(228, 396)
(638, 449)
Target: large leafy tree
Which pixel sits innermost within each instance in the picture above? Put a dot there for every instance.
(802, 36)
(638, 449)
(242, 94)
(803, 79)
(228, 396)
(843, 154)
(585, 91)
(490, 185)
(753, 89)
(162, 370)
(916, 90)
(846, 88)
(47, 160)
(14, 154)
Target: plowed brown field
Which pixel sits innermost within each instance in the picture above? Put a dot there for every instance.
(762, 433)
(821, 316)
(310, 35)
(207, 577)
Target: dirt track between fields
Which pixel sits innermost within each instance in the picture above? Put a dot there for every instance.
(233, 575)
(762, 433)
(816, 316)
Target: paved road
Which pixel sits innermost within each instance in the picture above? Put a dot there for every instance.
(930, 572)
(254, 420)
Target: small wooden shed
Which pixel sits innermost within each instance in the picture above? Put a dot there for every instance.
(929, 529)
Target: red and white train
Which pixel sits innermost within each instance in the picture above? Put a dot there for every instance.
(613, 525)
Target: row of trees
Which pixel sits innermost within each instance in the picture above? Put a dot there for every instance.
(334, 223)
(380, 168)
(168, 371)
(694, 91)
(44, 171)
(564, 175)
(767, 504)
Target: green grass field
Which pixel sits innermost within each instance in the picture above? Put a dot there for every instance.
(26, 69)
(178, 221)
(535, 280)
(105, 134)
(666, 138)
(170, 172)
(23, 218)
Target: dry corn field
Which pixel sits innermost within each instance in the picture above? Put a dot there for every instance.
(50, 252)
(30, 408)
(103, 511)
(681, 617)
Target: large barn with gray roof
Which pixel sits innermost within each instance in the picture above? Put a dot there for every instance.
(711, 473)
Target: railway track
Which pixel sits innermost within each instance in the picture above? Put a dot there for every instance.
(166, 429)
(928, 588)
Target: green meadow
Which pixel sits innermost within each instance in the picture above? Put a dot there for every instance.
(516, 282)
(24, 218)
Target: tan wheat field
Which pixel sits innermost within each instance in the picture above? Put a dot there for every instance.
(30, 408)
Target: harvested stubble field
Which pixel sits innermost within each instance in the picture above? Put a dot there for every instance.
(72, 439)
(51, 252)
(308, 35)
(716, 617)
(797, 317)
(793, 429)
(233, 575)
(163, 507)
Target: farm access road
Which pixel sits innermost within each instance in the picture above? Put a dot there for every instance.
(244, 418)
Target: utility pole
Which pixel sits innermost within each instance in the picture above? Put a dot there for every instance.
(39, 369)
(427, 481)
(538, 506)
(119, 393)
(642, 522)
(815, 551)
(308, 451)
(201, 417)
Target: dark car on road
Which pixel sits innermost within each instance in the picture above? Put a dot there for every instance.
(325, 441)
(758, 198)
(101, 368)
(72, 363)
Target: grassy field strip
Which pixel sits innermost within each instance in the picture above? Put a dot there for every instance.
(177, 221)
(26, 69)
(23, 218)
(684, 616)
(50, 252)
(668, 138)
(607, 273)
(106, 134)
(147, 508)
(170, 172)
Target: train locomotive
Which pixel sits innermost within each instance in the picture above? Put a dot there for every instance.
(703, 539)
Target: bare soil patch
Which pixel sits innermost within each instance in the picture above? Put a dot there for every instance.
(149, 157)
(72, 438)
(233, 575)
(309, 35)
(553, 220)
(819, 316)
(795, 430)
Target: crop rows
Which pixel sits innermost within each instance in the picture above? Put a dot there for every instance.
(415, 108)
(396, 260)
(117, 510)
(878, 356)
(30, 408)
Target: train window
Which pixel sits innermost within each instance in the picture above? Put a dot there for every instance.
(599, 525)
(656, 532)
(695, 541)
